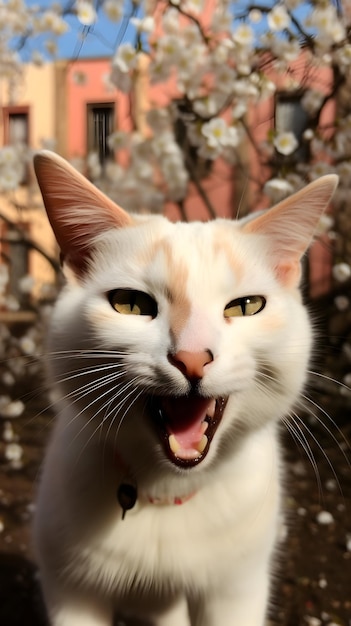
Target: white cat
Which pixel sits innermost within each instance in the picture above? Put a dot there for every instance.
(175, 350)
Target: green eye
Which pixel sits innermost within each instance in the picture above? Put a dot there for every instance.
(132, 302)
(250, 305)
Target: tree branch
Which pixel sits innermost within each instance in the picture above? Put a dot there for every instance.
(203, 195)
(29, 243)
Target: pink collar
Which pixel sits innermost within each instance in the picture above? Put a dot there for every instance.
(169, 501)
(129, 480)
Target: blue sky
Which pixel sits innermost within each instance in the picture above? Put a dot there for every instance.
(101, 39)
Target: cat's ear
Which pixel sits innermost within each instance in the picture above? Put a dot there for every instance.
(291, 224)
(78, 212)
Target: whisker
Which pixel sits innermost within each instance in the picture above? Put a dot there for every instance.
(323, 452)
(299, 435)
(327, 429)
(108, 412)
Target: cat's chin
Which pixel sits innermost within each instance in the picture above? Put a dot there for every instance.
(186, 426)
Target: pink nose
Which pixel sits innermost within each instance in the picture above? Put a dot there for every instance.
(191, 364)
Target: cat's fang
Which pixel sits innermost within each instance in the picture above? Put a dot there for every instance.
(173, 444)
(202, 444)
(204, 427)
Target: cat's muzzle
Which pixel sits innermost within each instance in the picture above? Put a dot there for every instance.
(186, 426)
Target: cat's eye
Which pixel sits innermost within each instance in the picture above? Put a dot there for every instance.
(132, 302)
(249, 305)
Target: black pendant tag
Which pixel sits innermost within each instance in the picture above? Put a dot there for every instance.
(127, 496)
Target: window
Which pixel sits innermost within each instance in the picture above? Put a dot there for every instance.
(290, 116)
(101, 123)
(16, 129)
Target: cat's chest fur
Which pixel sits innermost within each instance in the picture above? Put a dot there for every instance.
(162, 543)
(174, 351)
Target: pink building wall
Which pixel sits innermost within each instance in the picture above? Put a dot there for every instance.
(86, 85)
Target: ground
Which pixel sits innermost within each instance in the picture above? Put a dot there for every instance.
(312, 585)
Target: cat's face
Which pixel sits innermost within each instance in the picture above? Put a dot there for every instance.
(190, 334)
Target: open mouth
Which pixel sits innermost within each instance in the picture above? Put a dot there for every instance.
(186, 426)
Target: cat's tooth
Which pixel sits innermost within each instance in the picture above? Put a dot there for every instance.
(202, 444)
(211, 409)
(173, 444)
(204, 427)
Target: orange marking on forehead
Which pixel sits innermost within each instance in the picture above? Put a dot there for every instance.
(175, 288)
(223, 244)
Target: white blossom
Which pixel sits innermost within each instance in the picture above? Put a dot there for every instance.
(325, 223)
(51, 47)
(13, 409)
(344, 172)
(27, 345)
(125, 58)
(308, 134)
(94, 165)
(278, 18)
(342, 303)
(37, 58)
(86, 12)
(170, 22)
(13, 453)
(118, 140)
(255, 16)
(193, 6)
(8, 156)
(244, 35)
(312, 101)
(218, 133)
(158, 119)
(120, 79)
(8, 434)
(113, 9)
(324, 518)
(12, 303)
(170, 48)
(143, 25)
(277, 189)
(26, 283)
(325, 19)
(341, 272)
(285, 143)
(8, 379)
(209, 105)
(224, 78)
(52, 21)
(221, 20)
(285, 50)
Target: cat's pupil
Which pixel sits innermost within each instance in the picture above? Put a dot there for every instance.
(249, 305)
(132, 302)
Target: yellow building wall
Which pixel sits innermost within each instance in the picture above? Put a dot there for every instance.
(36, 91)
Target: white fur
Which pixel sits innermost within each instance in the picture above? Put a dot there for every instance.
(206, 562)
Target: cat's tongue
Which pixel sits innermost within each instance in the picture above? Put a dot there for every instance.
(185, 421)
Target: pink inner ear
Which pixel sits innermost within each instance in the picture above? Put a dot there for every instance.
(78, 212)
(290, 225)
(289, 274)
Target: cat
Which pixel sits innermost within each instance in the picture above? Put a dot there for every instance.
(175, 349)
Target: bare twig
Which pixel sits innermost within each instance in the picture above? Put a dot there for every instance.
(29, 243)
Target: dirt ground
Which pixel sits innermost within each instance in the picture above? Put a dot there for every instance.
(313, 586)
